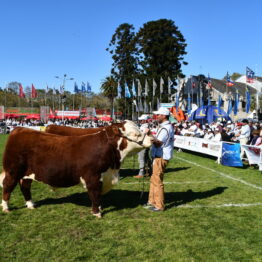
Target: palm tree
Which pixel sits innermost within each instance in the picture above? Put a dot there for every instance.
(109, 89)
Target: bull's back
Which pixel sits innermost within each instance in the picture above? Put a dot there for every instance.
(70, 131)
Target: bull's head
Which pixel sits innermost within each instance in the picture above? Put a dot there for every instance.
(135, 136)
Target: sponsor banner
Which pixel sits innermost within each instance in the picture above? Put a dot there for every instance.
(231, 155)
(200, 145)
(68, 113)
(254, 155)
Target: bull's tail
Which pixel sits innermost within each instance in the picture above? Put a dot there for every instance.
(2, 176)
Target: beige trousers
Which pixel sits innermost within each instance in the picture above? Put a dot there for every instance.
(156, 191)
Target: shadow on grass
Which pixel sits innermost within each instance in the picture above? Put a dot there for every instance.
(122, 199)
(132, 172)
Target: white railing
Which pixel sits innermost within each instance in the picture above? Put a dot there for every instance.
(212, 148)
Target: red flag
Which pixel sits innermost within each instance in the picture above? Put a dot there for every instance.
(33, 92)
(21, 91)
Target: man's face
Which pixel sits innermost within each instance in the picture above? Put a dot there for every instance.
(160, 118)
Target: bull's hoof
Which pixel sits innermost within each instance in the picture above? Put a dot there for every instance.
(6, 210)
(98, 215)
(30, 205)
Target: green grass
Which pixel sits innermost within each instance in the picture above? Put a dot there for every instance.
(62, 228)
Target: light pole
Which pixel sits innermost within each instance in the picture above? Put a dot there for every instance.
(64, 78)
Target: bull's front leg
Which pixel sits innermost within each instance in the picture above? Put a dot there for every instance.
(94, 187)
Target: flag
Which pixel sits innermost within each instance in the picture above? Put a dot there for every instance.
(139, 87)
(146, 88)
(236, 103)
(154, 87)
(229, 81)
(229, 109)
(118, 90)
(250, 74)
(33, 92)
(83, 87)
(127, 92)
(135, 103)
(140, 106)
(145, 107)
(188, 104)
(54, 91)
(76, 90)
(209, 83)
(62, 90)
(247, 100)
(161, 85)
(193, 84)
(158, 103)
(88, 88)
(170, 84)
(134, 88)
(219, 101)
(177, 102)
(150, 107)
(21, 91)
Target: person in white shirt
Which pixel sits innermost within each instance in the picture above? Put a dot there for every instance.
(162, 152)
(217, 136)
(209, 135)
(244, 135)
(143, 156)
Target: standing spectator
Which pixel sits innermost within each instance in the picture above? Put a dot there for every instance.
(162, 152)
(143, 156)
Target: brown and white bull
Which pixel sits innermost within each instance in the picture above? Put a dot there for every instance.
(64, 161)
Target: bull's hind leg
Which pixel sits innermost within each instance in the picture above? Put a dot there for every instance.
(9, 184)
(25, 186)
(94, 187)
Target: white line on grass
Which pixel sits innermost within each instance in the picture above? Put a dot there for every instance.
(219, 206)
(186, 182)
(221, 174)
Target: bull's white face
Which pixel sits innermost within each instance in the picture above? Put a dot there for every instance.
(136, 140)
(133, 133)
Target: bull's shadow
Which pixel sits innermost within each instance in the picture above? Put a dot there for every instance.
(122, 199)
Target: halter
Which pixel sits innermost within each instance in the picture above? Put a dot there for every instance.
(131, 140)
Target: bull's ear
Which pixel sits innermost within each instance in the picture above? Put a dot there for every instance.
(116, 130)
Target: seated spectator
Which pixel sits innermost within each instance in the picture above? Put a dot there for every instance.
(217, 136)
(209, 135)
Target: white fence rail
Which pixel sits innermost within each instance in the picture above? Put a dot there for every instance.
(200, 145)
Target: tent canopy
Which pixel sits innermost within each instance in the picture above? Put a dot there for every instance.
(208, 114)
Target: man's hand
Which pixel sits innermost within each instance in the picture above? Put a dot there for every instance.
(157, 142)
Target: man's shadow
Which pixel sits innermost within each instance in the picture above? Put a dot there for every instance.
(131, 172)
(123, 199)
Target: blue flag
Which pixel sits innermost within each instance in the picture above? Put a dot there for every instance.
(229, 109)
(188, 104)
(127, 92)
(88, 88)
(83, 87)
(231, 155)
(177, 103)
(76, 90)
(236, 103)
(247, 101)
(250, 75)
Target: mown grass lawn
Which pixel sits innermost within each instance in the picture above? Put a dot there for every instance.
(196, 226)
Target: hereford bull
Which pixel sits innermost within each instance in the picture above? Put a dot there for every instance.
(64, 161)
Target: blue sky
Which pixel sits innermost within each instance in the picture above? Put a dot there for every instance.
(44, 38)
